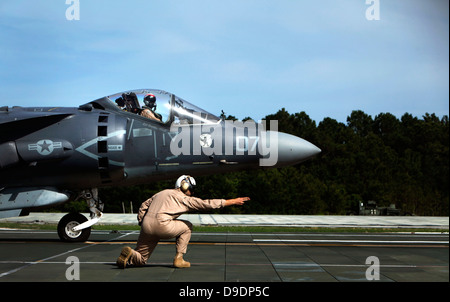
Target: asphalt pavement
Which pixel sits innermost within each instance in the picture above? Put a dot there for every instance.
(39, 256)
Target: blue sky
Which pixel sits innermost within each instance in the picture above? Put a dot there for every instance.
(246, 57)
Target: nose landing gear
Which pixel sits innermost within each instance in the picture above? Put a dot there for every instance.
(75, 227)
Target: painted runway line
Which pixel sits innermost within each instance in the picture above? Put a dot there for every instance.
(54, 256)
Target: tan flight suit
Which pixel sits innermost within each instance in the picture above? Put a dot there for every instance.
(158, 216)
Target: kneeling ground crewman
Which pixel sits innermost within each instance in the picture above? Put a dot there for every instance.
(158, 219)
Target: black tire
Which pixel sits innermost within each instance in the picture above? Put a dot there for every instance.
(68, 222)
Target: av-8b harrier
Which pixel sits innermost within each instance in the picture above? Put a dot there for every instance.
(54, 155)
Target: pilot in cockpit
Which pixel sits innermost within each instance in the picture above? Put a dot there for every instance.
(150, 107)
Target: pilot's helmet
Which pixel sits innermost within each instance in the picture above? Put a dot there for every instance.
(185, 183)
(150, 101)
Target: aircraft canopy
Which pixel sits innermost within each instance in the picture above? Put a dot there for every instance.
(167, 107)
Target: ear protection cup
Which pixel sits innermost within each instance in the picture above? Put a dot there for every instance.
(185, 186)
(185, 183)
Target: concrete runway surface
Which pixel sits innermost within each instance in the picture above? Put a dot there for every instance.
(39, 256)
(326, 221)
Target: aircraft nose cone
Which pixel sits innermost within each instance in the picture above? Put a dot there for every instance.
(293, 149)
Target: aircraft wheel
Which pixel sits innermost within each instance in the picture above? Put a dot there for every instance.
(66, 225)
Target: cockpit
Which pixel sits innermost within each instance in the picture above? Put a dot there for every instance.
(161, 106)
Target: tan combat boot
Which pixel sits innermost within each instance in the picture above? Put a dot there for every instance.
(124, 256)
(179, 262)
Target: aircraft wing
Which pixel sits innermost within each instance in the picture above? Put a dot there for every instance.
(17, 123)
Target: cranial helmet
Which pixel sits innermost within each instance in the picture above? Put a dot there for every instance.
(185, 183)
(150, 101)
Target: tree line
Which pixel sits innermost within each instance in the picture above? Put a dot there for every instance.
(403, 161)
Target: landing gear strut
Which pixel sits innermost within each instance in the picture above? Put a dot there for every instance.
(75, 227)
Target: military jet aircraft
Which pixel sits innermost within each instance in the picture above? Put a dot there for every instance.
(52, 155)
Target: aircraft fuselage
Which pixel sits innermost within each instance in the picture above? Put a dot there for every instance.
(46, 152)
